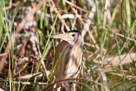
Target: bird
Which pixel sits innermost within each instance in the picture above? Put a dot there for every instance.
(69, 52)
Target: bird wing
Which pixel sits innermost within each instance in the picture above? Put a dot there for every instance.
(62, 50)
(69, 61)
(74, 62)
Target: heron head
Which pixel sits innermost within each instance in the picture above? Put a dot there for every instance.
(72, 36)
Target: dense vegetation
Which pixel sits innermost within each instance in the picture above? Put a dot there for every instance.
(27, 51)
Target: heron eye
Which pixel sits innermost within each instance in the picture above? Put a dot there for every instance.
(73, 35)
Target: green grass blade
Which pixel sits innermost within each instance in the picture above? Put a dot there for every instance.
(53, 68)
(1, 19)
(29, 79)
(133, 8)
(45, 16)
(121, 66)
(98, 23)
(128, 12)
(45, 48)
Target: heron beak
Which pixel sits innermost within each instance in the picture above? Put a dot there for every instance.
(64, 36)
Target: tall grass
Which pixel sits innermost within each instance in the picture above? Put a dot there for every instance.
(115, 38)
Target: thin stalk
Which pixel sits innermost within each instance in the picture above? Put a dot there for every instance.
(46, 47)
(121, 66)
(1, 19)
(133, 8)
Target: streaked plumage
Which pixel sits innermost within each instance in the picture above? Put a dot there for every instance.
(70, 51)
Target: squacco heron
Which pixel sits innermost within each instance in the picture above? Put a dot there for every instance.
(70, 52)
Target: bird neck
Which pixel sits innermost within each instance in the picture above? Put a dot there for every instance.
(78, 40)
